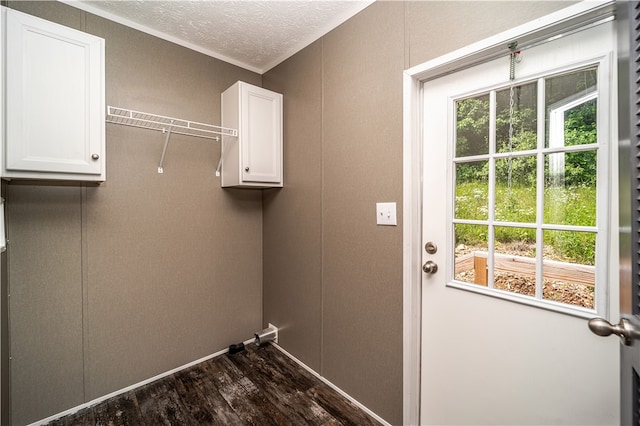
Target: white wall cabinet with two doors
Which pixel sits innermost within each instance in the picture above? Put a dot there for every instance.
(54, 125)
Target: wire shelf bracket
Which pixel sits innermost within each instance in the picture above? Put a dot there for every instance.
(168, 125)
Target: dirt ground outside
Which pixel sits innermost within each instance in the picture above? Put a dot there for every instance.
(575, 294)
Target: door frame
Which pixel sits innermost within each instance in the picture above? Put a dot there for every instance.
(629, 260)
(564, 21)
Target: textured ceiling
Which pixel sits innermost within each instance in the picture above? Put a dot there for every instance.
(256, 35)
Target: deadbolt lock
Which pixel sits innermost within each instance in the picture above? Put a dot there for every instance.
(430, 248)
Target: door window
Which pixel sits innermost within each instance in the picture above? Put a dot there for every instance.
(530, 168)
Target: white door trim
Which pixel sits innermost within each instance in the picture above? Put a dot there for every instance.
(562, 22)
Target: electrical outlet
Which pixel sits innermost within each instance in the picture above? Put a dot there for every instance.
(386, 214)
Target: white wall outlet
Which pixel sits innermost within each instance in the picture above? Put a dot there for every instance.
(386, 214)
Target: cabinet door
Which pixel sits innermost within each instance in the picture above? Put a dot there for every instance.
(55, 108)
(261, 135)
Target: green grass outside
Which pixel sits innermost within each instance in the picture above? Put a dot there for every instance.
(566, 206)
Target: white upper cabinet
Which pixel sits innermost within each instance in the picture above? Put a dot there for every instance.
(254, 158)
(54, 101)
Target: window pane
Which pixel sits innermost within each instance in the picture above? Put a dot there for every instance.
(472, 189)
(564, 271)
(522, 119)
(571, 107)
(568, 267)
(570, 188)
(472, 126)
(571, 246)
(514, 260)
(516, 189)
(471, 253)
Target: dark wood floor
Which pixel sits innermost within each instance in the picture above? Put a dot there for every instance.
(260, 386)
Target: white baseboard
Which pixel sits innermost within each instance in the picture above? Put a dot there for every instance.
(332, 386)
(132, 387)
(198, 361)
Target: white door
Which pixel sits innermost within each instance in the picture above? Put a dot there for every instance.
(518, 199)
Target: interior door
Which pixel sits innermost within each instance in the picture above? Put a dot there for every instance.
(498, 345)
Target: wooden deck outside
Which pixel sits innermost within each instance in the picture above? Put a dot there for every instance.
(554, 270)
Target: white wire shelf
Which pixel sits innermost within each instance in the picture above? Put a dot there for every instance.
(161, 123)
(168, 125)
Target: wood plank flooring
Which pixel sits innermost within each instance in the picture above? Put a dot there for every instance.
(259, 386)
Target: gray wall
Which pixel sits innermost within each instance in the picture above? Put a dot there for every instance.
(114, 284)
(332, 278)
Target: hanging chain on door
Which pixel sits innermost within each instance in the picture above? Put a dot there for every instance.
(514, 57)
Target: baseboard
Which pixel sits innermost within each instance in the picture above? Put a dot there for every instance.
(198, 361)
(332, 386)
(132, 387)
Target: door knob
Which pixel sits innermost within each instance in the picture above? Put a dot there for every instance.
(429, 267)
(627, 331)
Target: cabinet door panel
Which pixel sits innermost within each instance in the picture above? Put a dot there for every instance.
(54, 98)
(262, 157)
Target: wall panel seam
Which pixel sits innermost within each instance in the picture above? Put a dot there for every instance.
(84, 255)
(322, 195)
